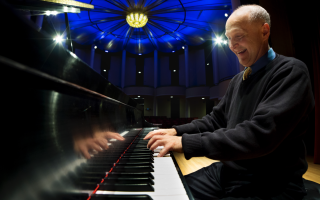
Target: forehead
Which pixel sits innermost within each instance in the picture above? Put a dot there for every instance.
(237, 22)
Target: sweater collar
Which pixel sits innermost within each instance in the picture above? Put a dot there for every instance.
(263, 61)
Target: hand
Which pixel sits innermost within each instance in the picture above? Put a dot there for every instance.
(170, 132)
(170, 143)
(98, 143)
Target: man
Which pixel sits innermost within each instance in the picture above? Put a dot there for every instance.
(256, 130)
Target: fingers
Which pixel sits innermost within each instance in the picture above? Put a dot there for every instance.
(84, 151)
(102, 143)
(164, 151)
(153, 133)
(117, 136)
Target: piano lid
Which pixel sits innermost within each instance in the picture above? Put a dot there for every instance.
(55, 107)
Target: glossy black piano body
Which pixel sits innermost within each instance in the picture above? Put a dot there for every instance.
(52, 102)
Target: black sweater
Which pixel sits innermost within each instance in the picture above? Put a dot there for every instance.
(259, 123)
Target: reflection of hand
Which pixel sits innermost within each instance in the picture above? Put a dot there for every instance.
(169, 132)
(99, 142)
(170, 143)
(84, 145)
(107, 134)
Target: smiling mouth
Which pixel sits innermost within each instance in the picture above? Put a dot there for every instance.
(241, 52)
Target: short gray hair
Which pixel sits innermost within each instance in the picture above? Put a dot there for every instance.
(257, 13)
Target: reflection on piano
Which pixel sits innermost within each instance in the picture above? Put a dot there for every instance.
(54, 105)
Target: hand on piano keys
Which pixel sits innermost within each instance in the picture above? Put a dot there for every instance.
(136, 175)
(169, 143)
(87, 144)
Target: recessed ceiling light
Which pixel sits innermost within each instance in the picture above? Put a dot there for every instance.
(104, 70)
(106, 51)
(174, 70)
(182, 47)
(202, 98)
(95, 47)
(172, 51)
(226, 14)
(139, 54)
(138, 96)
(139, 72)
(171, 96)
(207, 63)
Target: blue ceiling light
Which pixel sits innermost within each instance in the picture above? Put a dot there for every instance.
(172, 51)
(170, 25)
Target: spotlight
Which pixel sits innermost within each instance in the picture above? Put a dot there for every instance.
(172, 51)
(95, 47)
(139, 72)
(104, 70)
(171, 97)
(106, 51)
(226, 14)
(225, 42)
(182, 47)
(48, 12)
(174, 70)
(65, 9)
(207, 63)
(140, 54)
(138, 96)
(58, 39)
(54, 12)
(202, 98)
(218, 40)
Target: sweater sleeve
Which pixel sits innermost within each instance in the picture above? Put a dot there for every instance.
(209, 123)
(286, 102)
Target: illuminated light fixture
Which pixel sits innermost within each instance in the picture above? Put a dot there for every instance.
(65, 9)
(102, 37)
(202, 98)
(139, 72)
(174, 70)
(171, 97)
(58, 38)
(172, 51)
(218, 40)
(104, 70)
(95, 47)
(138, 96)
(139, 54)
(182, 47)
(71, 3)
(106, 51)
(226, 14)
(137, 20)
(225, 42)
(207, 63)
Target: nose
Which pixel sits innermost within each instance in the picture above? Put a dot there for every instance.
(232, 44)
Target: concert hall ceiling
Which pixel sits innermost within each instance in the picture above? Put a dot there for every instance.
(171, 24)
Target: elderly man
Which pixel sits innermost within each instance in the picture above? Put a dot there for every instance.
(256, 130)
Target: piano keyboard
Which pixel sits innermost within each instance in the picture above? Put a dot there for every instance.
(138, 174)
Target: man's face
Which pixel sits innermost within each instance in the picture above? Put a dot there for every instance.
(245, 39)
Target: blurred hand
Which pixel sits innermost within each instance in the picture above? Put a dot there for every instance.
(169, 132)
(170, 143)
(97, 143)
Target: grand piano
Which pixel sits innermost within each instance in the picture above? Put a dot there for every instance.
(55, 109)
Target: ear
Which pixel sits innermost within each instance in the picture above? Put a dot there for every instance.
(266, 30)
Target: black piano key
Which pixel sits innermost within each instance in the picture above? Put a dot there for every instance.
(130, 175)
(127, 180)
(126, 187)
(120, 197)
(146, 168)
(130, 163)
